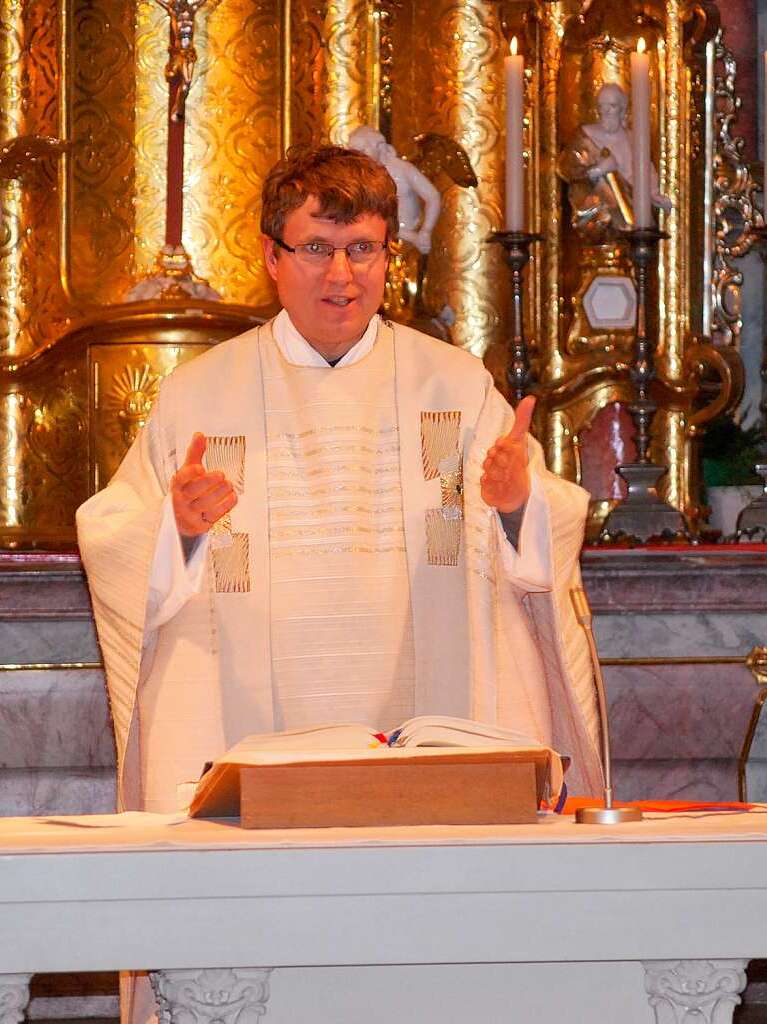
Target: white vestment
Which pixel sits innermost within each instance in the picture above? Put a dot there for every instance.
(476, 640)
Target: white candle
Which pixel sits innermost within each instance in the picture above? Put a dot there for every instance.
(640, 117)
(514, 73)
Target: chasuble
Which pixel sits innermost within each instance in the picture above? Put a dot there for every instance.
(360, 577)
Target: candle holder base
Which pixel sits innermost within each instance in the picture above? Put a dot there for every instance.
(642, 514)
(752, 520)
(606, 815)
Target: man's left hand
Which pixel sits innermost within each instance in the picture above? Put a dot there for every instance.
(505, 482)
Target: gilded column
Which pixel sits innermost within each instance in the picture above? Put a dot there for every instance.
(30, 291)
(459, 93)
(347, 64)
(334, 71)
(670, 445)
(673, 164)
(555, 430)
(553, 26)
(234, 138)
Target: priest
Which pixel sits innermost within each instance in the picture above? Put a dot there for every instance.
(333, 518)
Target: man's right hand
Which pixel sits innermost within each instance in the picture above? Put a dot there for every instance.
(199, 497)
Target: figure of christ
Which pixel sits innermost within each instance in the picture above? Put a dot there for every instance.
(333, 518)
(182, 55)
(597, 165)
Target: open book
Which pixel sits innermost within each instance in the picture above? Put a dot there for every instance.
(423, 741)
(424, 731)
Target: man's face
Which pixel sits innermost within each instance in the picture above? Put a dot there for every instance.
(330, 304)
(610, 109)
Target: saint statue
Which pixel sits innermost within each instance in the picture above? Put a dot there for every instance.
(182, 55)
(597, 165)
(418, 201)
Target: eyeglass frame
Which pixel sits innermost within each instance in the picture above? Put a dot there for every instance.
(294, 249)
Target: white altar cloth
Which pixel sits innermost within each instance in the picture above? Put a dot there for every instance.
(148, 892)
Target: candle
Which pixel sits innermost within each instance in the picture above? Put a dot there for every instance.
(640, 141)
(514, 72)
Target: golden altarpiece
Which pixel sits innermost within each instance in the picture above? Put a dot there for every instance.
(84, 134)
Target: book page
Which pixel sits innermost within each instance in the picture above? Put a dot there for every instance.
(444, 731)
(345, 736)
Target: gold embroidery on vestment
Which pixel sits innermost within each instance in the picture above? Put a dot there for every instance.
(441, 456)
(331, 530)
(331, 431)
(314, 491)
(227, 455)
(451, 485)
(306, 511)
(221, 532)
(231, 565)
(443, 538)
(336, 549)
(331, 469)
(331, 447)
(440, 434)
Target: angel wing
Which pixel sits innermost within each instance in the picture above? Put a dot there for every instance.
(438, 153)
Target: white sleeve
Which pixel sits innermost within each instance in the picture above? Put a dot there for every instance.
(173, 578)
(529, 565)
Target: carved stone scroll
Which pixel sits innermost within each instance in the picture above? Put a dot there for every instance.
(211, 996)
(14, 996)
(703, 991)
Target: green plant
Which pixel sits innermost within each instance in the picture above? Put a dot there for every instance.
(730, 451)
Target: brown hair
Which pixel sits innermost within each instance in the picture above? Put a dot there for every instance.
(347, 184)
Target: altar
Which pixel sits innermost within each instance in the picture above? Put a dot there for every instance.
(546, 922)
(576, 190)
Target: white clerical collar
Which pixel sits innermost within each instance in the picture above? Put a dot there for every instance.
(297, 350)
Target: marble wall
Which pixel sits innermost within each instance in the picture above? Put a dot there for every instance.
(678, 726)
(56, 743)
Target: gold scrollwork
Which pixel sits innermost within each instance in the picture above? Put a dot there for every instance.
(735, 211)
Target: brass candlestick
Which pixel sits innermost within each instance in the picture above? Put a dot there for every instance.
(606, 815)
(642, 514)
(517, 245)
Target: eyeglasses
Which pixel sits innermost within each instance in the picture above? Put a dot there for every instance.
(323, 252)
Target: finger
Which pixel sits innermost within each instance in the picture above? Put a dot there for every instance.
(210, 498)
(188, 472)
(196, 450)
(221, 508)
(523, 418)
(200, 485)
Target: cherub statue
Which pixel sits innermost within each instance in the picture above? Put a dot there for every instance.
(597, 165)
(418, 201)
(182, 55)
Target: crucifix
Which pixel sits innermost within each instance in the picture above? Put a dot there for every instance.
(179, 71)
(173, 276)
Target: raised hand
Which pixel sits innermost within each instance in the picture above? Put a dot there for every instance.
(199, 497)
(505, 481)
